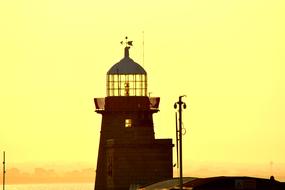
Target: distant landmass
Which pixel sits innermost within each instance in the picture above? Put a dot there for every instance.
(41, 175)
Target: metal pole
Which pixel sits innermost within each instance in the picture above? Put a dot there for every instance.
(177, 141)
(4, 170)
(180, 104)
(180, 143)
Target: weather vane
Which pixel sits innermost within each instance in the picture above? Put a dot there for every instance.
(128, 45)
(127, 42)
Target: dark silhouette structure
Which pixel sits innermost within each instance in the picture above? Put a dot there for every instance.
(235, 183)
(128, 153)
(220, 183)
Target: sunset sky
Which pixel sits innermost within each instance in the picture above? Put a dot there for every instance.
(227, 56)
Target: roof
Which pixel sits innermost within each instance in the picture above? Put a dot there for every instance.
(235, 182)
(126, 66)
(220, 182)
(167, 184)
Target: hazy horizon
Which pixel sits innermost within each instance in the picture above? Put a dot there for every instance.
(42, 175)
(74, 173)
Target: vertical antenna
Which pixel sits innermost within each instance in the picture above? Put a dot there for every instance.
(143, 47)
(4, 170)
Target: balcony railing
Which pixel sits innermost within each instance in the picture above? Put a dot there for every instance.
(100, 103)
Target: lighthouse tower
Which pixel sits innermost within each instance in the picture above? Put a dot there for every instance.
(129, 154)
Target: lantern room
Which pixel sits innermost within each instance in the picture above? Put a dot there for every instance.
(127, 78)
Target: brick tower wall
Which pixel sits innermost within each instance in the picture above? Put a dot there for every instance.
(130, 155)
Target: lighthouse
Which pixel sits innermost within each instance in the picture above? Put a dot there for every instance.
(129, 155)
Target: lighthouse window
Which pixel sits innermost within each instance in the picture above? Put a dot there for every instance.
(128, 123)
(126, 85)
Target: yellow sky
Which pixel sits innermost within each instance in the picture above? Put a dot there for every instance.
(226, 56)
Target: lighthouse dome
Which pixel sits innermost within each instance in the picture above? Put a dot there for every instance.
(126, 66)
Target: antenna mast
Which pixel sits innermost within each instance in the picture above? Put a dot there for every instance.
(4, 171)
(143, 47)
